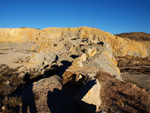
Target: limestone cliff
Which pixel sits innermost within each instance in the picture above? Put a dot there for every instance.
(52, 37)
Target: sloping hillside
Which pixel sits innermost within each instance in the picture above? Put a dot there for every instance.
(137, 36)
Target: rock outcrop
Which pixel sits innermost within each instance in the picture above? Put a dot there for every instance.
(75, 66)
(88, 96)
(48, 39)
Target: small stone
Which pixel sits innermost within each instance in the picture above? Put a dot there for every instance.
(21, 75)
(7, 82)
(72, 48)
(3, 108)
(83, 57)
(91, 52)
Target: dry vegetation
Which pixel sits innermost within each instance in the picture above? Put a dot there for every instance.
(123, 97)
(134, 64)
(11, 105)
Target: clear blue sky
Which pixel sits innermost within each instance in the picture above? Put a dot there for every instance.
(114, 16)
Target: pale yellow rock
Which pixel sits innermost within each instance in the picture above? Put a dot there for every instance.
(72, 48)
(3, 108)
(78, 61)
(113, 61)
(91, 52)
(93, 95)
(73, 70)
(46, 37)
(83, 57)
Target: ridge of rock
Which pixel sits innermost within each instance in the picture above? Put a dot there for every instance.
(45, 38)
(75, 66)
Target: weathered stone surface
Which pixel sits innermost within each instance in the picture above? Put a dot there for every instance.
(40, 91)
(106, 63)
(88, 97)
(77, 54)
(78, 62)
(91, 52)
(79, 75)
(31, 48)
(51, 97)
(48, 36)
(102, 60)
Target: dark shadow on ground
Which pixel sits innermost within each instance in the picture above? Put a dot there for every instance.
(28, 100)
(74, 56)
(24, 90)
(63, 67)
(52, 71)
(55, 69)
(61, 101)
(87, 108)
(67, 100)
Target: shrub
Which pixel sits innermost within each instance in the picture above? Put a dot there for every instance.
(11, 105)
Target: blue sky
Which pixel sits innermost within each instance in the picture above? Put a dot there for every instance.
(114, 16)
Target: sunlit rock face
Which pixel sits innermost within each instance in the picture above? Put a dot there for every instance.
(32, 47)
(50, 37)
(85, 62)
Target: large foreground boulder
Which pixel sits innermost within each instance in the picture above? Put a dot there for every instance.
(88, 97)
(105, 93)
(35, 95)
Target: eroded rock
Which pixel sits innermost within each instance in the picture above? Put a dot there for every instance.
(88, 97)
(79, 75)
(91, 52)
(33, 52)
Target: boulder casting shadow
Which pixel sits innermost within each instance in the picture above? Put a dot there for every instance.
(66, 100)
(87, 108)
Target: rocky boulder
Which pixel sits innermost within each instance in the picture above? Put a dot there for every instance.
(35, 95)
(88, 97)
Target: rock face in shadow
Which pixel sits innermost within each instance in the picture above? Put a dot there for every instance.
(72, 70)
